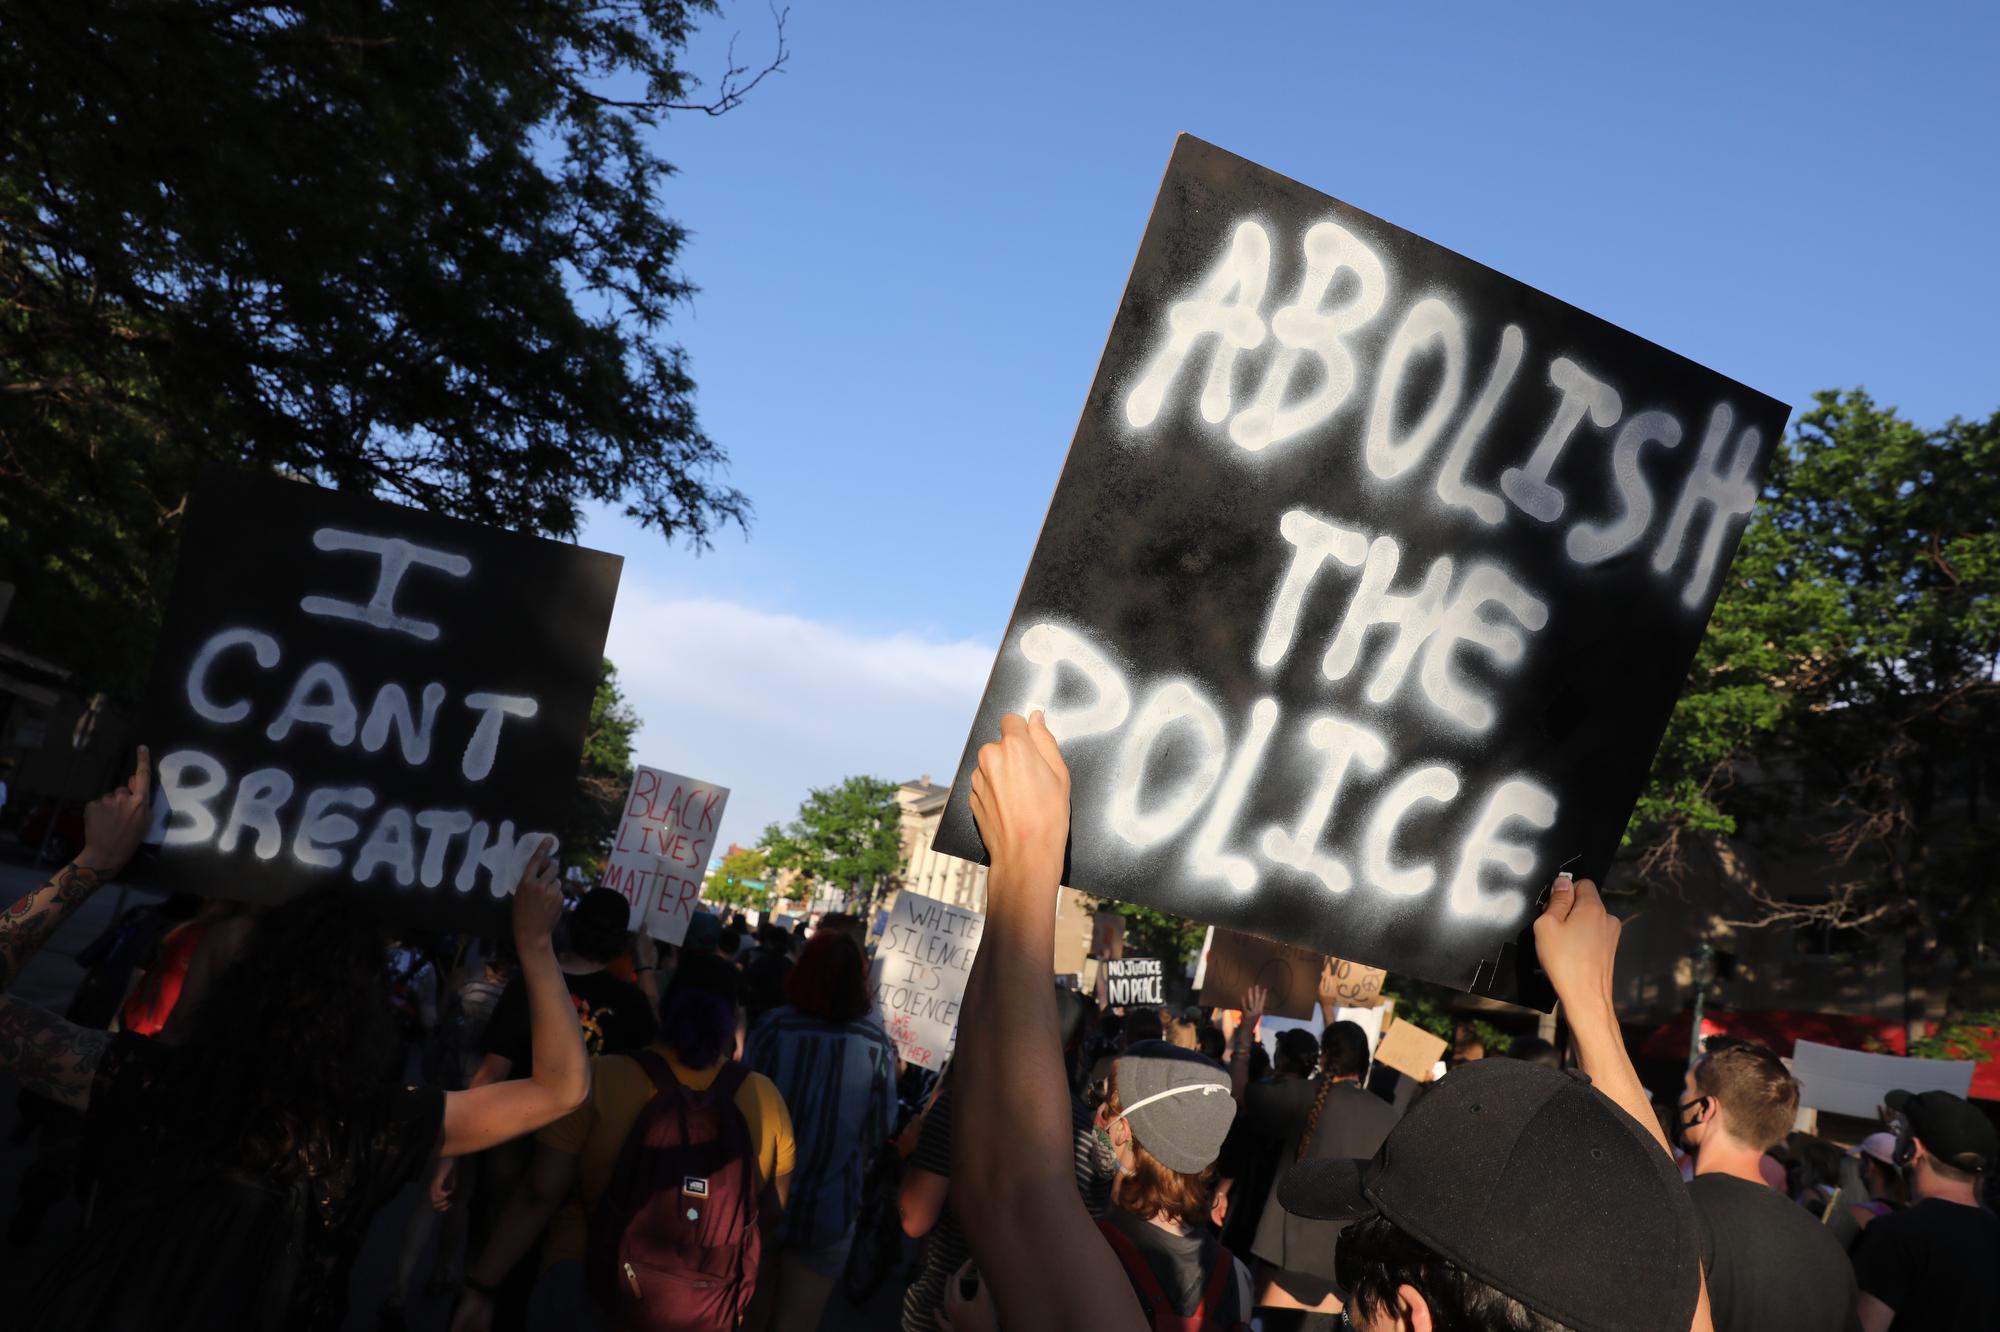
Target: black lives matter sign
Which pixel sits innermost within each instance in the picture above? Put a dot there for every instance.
(1369, 583)
(352, 694)
(1139, 981)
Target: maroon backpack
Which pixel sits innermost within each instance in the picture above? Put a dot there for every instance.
(1215, 1313)
(673, 1241)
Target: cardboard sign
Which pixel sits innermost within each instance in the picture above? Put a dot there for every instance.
(919, 975)
(1107, 935)
(1369, 583)
(1410, 1050)
(351, 694)
(661, 854)
(1356, 986)
(1135, 982)
(1853, 1082)
(1236, 961)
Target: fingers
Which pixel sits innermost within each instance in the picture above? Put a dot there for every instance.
(1013, 726)
(1562, 897)
(1045, 744)
(141, 785)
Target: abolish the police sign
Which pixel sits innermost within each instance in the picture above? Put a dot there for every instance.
(357, 695)
(1369, 582)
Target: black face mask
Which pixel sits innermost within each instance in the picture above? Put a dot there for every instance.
(1691, 1116)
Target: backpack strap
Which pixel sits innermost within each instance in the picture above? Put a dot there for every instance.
(1146, 1285)
(656, 1070)
(729, 1080)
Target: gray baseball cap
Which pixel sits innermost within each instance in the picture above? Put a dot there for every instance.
(1177, 1102)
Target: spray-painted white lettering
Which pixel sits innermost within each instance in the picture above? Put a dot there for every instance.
(1529, 486)
(485, 742)
(1224, 307)
(1207, 856)
(323, 827)
(502, 855)
(1433, 623)
(1483, 846)
(1313, 540)
(1303, 328)
(1344, 744)
(1051, 647)
(320, 697)
(391, 713)
(1428, 320)
(1175, 703)
(259, 797)
(396, 555)
(1591, 544)
(393, 842)
(189, 779)
(440, 827)
(1726, 490)
(263, 648)
(1452, 487)
(1430, 782)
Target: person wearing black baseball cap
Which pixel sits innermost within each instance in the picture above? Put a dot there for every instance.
(1936, 1263)
(1518, 1198)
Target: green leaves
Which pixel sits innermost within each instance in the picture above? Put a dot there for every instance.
(1850, 667)
(405, 249)
(740, 880)
(845, 836)
(604, 775)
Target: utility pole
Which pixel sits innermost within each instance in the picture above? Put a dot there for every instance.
(1704, 955)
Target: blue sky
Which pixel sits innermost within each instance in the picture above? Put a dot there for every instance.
(911, 243)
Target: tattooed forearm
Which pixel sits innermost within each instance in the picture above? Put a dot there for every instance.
(31, 920)
(50, 1056)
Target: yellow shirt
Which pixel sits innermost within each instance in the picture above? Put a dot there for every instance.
(595, 1132)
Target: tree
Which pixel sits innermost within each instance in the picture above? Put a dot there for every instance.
(603, 776)
(1847, 694)
(1150, 933)
(848, 836)
(416, 250)
(740, 881)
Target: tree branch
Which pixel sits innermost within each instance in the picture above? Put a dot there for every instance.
(730, 88)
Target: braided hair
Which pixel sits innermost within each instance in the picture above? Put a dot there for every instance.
(1343, 1053)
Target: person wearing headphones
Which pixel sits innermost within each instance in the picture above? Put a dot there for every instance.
(1936, 1263)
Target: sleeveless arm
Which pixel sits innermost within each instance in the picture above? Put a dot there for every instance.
(1012, 1161)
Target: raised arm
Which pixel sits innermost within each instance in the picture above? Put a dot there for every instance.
(1577, 942)
(478, 1118)
(53, 1057)
(1242, 1038)
(1038, 1251)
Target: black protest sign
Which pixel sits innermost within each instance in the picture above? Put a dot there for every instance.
(1137, 981)
(353, 694)
(1369, 583)
(1237, 961)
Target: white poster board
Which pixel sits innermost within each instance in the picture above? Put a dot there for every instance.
(921, 965)
(661, 853)
(1853, 1082)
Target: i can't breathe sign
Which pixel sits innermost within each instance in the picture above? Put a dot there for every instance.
(349, 693)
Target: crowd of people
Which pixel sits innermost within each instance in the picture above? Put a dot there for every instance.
(608, 1132)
